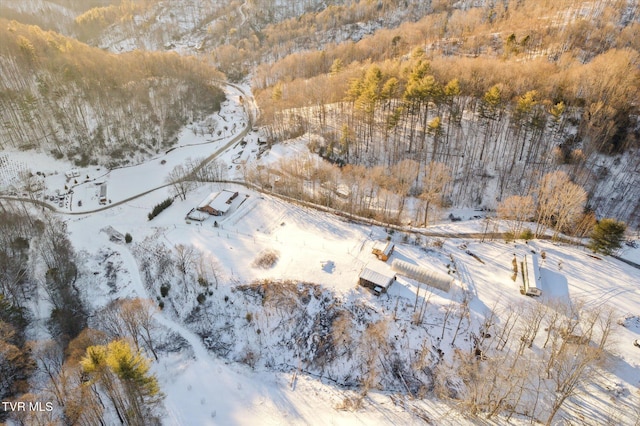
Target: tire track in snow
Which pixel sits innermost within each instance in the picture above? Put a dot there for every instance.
(205, 362)
(129, 261)
(208, 376)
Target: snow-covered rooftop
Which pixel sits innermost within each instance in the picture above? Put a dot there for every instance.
(377, 278)
(223, 201)
(197, 215)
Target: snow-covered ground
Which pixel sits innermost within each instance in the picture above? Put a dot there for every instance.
(81, 193)
(205, 389)
(202, 388)
(631, 251)
(315, 247)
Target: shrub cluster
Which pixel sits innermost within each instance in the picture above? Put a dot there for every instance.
(158, 208)
(164, 290)
(266, 259)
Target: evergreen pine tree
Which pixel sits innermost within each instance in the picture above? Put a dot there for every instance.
(607, 236)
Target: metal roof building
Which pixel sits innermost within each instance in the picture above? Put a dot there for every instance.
(383, 250)
(376, 281)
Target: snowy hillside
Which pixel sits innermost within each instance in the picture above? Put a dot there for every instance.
(174, 251)
(92, 107)
(245, 323)
(46, 14)
(263, 304)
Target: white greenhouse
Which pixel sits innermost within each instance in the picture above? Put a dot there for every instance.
(430, 277)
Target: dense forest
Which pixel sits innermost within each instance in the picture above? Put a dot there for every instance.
(56, 15)
(236, 36)
(499, 96)
(499, 93)
(90, 106)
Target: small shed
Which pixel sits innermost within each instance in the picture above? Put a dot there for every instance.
(197, 215)
(376, 281)
(383, 251)
(103, 193)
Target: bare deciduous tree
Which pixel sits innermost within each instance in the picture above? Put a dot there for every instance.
(180, 182)
(132, 319)
(434, 180)
(517, 210)
(513, 369)
(185, 258)
(560, 202)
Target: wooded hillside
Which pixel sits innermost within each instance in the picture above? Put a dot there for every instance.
(55, 15)
(499, 95)
(92, 106)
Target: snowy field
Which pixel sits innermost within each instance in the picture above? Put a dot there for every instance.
(194, 384)
(308, 241)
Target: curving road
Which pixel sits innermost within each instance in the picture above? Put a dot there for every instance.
(251, 111)
(348, 216)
